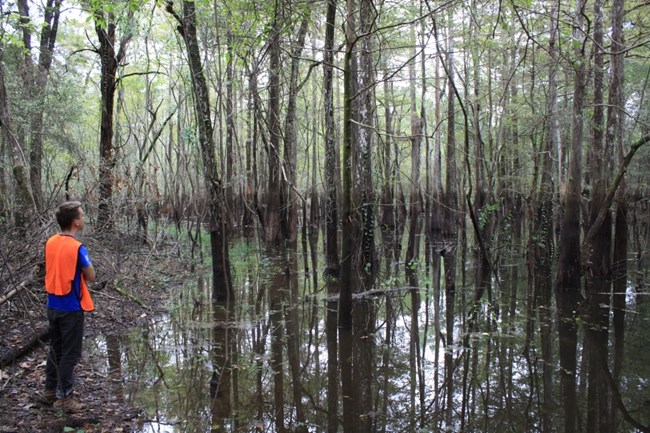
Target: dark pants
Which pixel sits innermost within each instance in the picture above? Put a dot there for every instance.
(66, 329)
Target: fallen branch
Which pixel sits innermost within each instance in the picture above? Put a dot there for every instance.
(11, 293)
(130, 296)
(10, 355)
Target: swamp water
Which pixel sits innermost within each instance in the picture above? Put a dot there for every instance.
(265, 364)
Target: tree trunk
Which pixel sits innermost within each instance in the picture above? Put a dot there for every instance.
(47, 40)
(331, 220)
(598, 270)
(229, 190)
(290, 199)
(542, 237)
(221, 355)
(350, 219)
(292, 324)
(413, 248)
(277, 298)
(221, 280)
(451, 223)
(614, 139)
(332, 179)
(569, 273)
(273, 199)
(24, 205)
(106, 28)
(351, 236)
(251, 183)
(365, 196)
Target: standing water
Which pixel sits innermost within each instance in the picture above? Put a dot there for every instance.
(265, 364)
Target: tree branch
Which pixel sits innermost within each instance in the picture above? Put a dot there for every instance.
(611, 193)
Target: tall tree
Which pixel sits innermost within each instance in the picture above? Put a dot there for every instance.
(221, 280)
(415, 209)
(568, 273)
(542, 224)
(110, 59)
(614, 138)
(598, 270)
(332, 271)
(36, 80)
(350, 223)
(273, 195)
(290, 200)
(24, 204)
(363, 185)
(451, 206)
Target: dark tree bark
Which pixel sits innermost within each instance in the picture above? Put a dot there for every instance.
(351, 237)
(277, 298)
(363, 193)
(349, 218)
(332, 178)
(614, 138)
(222, 355)
(598, 270)
(221, 280)
(110, 59)
(331, 220)
(292, 323)
(569, 272)
(273, 196)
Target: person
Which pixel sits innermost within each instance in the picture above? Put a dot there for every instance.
(67, 270)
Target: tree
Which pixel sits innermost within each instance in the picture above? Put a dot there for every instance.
(568, 273)
(24, 200)
(332, 272)
(273, 197)
(290, 200)
(111, 60)
(614, 138)
(36, 80)
(221, 279)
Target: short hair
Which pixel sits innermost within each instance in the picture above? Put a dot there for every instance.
(67, 213)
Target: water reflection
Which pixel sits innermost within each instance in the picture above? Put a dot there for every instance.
(428, 357)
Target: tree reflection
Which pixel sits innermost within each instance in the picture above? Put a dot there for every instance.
(274, 364)
(222, 353)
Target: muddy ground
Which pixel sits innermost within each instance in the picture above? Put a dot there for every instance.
(133, 282)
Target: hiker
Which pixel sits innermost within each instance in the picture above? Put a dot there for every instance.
(67, 270)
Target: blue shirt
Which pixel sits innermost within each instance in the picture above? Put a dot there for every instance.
(70, 302)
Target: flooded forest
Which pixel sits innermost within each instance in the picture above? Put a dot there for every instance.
(375, 215)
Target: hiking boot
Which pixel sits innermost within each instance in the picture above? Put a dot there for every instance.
(48, 396)
(69, 404)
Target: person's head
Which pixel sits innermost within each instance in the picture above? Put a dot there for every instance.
(70, 216)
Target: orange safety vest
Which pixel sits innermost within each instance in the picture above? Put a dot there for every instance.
(61, 255)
